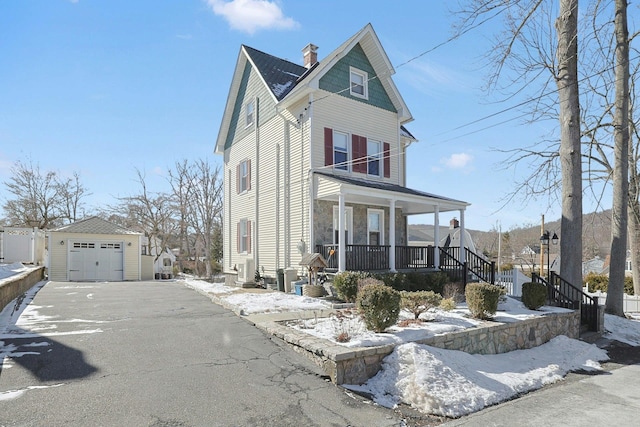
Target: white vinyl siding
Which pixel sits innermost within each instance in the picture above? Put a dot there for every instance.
(59, 253)
(343, 114)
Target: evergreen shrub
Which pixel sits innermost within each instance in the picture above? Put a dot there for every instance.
(346, 284)
(379, 306)
(534, 295)
(419, 302)
(482, 299)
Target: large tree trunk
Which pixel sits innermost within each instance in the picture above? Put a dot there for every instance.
(615, 292)
(570, 150)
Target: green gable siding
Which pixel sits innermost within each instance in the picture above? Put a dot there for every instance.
(251, 86)
(336, 80)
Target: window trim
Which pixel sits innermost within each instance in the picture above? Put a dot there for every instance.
(365, 79)
(244, 176)
(347, 152)
(243, 225)
(375, 157)
(380, 213)
(249, 113)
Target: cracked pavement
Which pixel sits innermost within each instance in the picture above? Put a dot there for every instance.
(160, 354)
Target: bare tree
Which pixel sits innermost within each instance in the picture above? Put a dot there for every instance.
(72, 194)
(525, 46)
(615, 292)
(36, 198)
(151, 213)
(201, 186)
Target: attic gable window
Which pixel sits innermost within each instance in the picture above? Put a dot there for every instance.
(358, 83)
(250, 113)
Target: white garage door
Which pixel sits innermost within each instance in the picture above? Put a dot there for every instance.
(93, 261)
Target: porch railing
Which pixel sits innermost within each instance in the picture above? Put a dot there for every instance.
(561, 293)
(376, 258)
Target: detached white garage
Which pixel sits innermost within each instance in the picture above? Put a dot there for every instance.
(94, 250)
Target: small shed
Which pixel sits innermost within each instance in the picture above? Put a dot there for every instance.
(94, 249)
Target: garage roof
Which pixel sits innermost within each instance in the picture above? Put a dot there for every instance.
(94, 225)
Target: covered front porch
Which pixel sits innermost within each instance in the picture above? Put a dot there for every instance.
(371, 217)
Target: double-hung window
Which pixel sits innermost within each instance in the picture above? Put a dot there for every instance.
(358, 83)
(244, 176)
(244, 236)
(340, 151)
(250, 113)
(374, 157)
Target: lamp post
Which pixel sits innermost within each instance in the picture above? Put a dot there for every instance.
(544, 241)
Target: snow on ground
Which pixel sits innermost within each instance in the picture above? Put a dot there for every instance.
(448, 382)
(8, 270)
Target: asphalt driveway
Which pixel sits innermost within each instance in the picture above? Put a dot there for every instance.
(159, 354)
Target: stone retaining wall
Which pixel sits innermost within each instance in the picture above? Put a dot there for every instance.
(346, 365)
(18, 284)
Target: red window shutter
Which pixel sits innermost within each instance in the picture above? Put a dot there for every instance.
(363, 154)
(387, 160)
(238, 179)
(238, 237)
(249, 174)
(248, 237)
(328, 146)
(355, 150)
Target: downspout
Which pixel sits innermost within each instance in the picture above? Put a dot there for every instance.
(311, 178)
(256, 247)
(278, 265)
(139, 258)
(463, 254)
(436, 236)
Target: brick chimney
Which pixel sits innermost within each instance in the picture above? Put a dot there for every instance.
(310, 55)
(454, 223)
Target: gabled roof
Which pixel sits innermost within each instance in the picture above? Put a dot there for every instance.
(376, 54)
(289, 82)
(279, 75)
(94, 225)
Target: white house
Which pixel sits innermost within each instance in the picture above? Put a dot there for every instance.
(314, 160)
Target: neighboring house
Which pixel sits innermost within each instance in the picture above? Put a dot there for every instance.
(452, 239)
(94, 250)
(314, 160)
(595, 265)
(163, 258)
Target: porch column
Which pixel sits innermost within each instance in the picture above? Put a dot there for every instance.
(392, 235)
(341, 243)
(463, 254)
(436, 237)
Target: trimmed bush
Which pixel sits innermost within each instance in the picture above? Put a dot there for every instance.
(600, 282)
(419, 302)
(482, 299)
(534, 295)
(346, 284)
(415, 281)
(379, 306)
(448, 304)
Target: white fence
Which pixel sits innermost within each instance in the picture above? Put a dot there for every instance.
(25, 245)
(630, 303)
(512, 280)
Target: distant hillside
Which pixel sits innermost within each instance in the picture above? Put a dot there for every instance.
(596, 236)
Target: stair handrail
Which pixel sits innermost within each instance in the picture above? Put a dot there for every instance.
(485, 270)
(587, 304)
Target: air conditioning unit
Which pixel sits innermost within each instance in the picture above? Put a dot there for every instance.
(246, 271)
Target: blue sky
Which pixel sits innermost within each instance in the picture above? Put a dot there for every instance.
(105, 87)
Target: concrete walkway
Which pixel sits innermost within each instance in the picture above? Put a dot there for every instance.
(611, 398)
